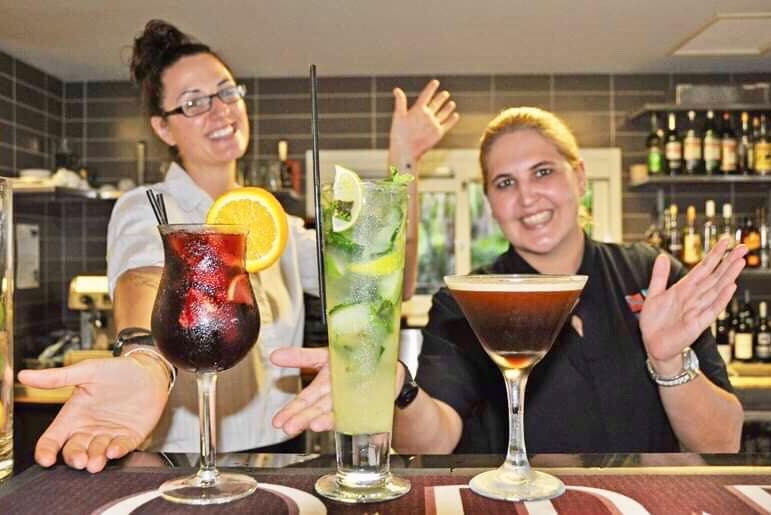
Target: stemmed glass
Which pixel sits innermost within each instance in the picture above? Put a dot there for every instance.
(205, 320)
(516, 318)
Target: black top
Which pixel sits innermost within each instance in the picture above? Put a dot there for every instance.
(588, 395)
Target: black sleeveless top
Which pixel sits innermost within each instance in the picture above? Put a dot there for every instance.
(590, 394)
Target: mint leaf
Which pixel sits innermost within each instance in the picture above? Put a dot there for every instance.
(398, 177)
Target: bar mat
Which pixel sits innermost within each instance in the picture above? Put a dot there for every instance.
(121, 491)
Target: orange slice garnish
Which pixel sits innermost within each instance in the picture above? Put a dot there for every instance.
(259, 210)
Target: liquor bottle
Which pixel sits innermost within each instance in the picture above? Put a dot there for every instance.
(763, 149)
(691, 239)
(712, 145)
(765, 245)
(654, 235)
(692, 146)
(727, 146)
(721, 330)
(744, 344)
(750, 236)
(733, 323)
(673, 148)
(745, 161)
(763, 335)
(674, 238)
(655, 146)
(727, 230)
(709, 234)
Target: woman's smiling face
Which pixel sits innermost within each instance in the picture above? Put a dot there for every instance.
(534, 193)
(217, 137)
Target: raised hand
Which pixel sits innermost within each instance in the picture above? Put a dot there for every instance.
(673, 318)
(115, 405)
(312, 408)
(417, 129)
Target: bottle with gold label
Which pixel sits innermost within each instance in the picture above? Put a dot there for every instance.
(710, 231)
(691, 239)
(750, 237)
(763, 149)
(674, 237)
(727, 230)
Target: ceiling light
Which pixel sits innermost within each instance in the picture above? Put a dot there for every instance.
(729, 34)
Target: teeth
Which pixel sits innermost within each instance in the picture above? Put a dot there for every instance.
(538, 218)
(221, 133)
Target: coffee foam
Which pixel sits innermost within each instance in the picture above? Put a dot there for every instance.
(516, 283)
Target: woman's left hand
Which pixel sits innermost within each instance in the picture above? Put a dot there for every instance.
(673, 318)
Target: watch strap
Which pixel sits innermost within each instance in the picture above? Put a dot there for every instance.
(409, 389)
(132, 336)
(688, 373)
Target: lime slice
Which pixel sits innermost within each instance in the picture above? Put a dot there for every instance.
(383, 265)
(346, 192)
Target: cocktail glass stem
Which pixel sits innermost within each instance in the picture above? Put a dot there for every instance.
(516, 458)
(207, 395)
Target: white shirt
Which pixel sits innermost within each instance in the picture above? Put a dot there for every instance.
(249, 394)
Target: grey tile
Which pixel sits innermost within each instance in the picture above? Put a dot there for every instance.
(54, 86)
(303, 106)
(27, 160)
(534, 83)
(412, 84)
(134, 129)
(631, 102)
(267, 146)
(6, 87)
(31, 75)
(55, 107)
(74, 110)
(6, 157)
(634, 142)
(74, 129)
(28, 141)
(6, 133)
(74, 90)
(466, 103)
(31, 119)
(6, 110)
(581, 83)
(302, 126)
(641, 82)
(750, 78)
(574, 102)
(459, 140)
(110, 149)
(30, 97)
(96, 249)
(283, 86)
(701, 78)
(111, 89)
(113, 109)
(6, 63)
(329, 85)
(109, 171)
(590, 129)
(505, 100)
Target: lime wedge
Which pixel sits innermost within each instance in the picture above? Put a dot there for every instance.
(383, 265)
(347, 193)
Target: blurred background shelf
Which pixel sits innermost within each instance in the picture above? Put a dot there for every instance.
(646, 109)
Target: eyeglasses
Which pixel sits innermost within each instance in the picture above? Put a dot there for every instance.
(200, 105)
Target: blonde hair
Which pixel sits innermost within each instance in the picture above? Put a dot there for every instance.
(547, 124)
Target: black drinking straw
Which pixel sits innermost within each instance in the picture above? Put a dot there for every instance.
(317, 191)
(159, 207)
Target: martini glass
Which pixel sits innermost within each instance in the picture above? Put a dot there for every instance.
(516, 318)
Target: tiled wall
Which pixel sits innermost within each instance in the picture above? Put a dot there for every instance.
(31, 112)
(103, 120)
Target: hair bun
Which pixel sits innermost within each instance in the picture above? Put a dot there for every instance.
(152, 47)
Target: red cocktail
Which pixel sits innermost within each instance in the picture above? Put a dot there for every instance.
(516, 318)
(205, 320)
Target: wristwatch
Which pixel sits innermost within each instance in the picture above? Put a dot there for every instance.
(409, 389)
(132, 336)
(689, 372)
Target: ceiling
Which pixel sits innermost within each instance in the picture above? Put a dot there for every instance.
(88, 39)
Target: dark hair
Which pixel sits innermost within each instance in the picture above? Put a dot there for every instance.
(159, 46)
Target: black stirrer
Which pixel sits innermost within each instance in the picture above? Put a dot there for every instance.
(317, 191)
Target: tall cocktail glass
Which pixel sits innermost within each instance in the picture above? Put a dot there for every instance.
(363, 272)
(516, 318)
(205, 320)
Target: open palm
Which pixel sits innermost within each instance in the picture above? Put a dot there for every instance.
(673, 318)
(106, 417)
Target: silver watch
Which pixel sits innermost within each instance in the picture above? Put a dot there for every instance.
(686, 375)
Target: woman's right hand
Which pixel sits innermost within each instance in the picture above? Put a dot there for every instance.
(312, 408)
(107, 416)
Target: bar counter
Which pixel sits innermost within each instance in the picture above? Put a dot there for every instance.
(596, 484)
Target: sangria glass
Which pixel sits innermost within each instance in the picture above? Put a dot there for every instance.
(516, 318)
(205, 320)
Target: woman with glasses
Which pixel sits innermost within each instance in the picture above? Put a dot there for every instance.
(196, 107)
